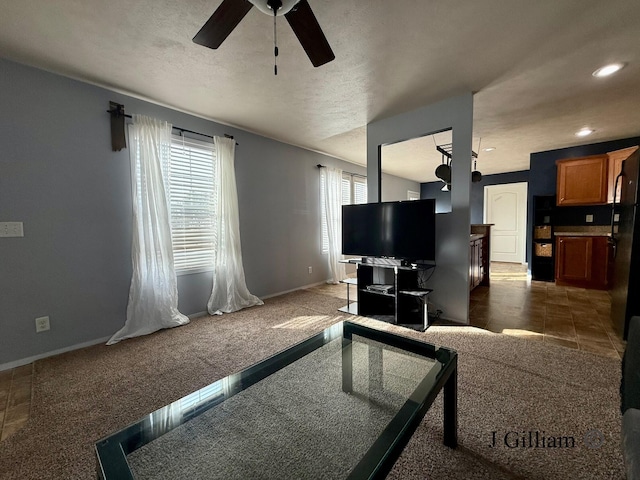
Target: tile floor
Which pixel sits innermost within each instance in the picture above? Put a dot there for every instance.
(513, 305)
(15, 399)
(568, 316)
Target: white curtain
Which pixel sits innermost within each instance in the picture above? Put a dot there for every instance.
(230, 292)
(333, 214)
(153, 295)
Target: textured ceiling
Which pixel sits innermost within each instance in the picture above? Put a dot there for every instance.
(529, 63)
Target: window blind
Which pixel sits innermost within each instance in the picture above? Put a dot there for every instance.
(346, 189)
(191, 179)
(359, 190)
(411, 195)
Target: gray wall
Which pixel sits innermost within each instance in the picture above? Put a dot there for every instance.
(450, 280)
(59, 176)
(395, 188)
(443, 199)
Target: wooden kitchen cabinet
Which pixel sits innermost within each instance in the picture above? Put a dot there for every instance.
(583, 181)
(476, 272)
(615, 167)
(583, 261)
(479, 265)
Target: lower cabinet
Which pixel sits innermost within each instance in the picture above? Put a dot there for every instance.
(475, 268)
(479, 265)
(583, 261)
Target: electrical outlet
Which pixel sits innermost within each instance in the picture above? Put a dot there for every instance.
(589, 219)
(616, 217)
(42, 324)
(11, 229)
(310, 270)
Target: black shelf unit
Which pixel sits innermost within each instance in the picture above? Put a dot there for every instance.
(404, 304)
(543, 245)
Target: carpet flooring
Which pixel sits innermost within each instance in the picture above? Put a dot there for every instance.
(510, 390)
(238, 438)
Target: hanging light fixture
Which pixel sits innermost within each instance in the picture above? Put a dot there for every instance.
(443, 171)
(476, 176)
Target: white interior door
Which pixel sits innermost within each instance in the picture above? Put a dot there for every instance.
(506, 207)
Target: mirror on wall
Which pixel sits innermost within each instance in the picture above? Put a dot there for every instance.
(422, 161)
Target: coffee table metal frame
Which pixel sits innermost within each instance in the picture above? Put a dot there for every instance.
(112, 451)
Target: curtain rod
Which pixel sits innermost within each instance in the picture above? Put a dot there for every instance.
(348, 173)
(119, 111)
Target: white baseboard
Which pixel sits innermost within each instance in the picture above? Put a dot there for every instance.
(28, 360)
(294, 289)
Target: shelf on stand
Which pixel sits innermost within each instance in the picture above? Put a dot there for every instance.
(377, 292)
(405, 303)
(350, 307)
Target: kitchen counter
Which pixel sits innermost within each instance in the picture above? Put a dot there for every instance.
(582, 230)
(582, 234)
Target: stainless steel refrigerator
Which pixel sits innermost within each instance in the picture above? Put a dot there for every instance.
(625, 237)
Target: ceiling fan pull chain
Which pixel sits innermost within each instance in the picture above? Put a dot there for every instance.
(275, 45)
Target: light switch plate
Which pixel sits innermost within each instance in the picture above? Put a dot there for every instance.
(11, 229)
(589, 219)
(616, 217)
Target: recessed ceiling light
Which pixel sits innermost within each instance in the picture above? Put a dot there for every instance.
(584, 132)
(608, 70)
(489, 149)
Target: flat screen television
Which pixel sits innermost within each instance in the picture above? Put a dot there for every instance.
(405, 230)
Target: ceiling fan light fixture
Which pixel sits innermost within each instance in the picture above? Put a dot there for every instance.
(608, 70)
(583, 132)
(265, 7)
(298, 14)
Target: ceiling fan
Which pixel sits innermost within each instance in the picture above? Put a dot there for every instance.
(297, 12)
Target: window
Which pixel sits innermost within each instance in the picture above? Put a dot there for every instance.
(411, 195)
(191, 186)
(359, 189)
(354, 190)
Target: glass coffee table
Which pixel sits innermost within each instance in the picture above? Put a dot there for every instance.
(341, 404)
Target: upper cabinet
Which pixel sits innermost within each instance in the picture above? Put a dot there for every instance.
(590, 180)
(583, 181)
(615, 167)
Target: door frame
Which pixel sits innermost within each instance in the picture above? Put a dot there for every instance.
(523, 240)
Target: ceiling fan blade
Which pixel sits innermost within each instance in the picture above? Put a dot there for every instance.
(306, 27)
(222, 23)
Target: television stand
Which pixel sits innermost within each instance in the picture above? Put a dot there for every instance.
(350, 307)
(390, 292)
